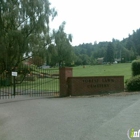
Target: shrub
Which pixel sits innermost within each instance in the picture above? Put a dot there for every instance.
(136, 67)
(133, 84)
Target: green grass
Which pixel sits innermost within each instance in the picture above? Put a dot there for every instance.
(49, 82)
(123, 69)
(95, 70)
(40, 84)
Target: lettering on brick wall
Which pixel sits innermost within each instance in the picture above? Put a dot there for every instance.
(98, 86)
(90, 80)
(108, 80)
(98, 83)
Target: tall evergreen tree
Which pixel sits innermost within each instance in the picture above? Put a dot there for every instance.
(109, 57)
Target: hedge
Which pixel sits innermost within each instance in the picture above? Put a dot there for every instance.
(136, 67)
(133, 84)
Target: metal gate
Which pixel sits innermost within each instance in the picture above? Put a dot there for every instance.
(30, 81)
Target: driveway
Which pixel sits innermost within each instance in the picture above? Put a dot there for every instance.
(72, 118)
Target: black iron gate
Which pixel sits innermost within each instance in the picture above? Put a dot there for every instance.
(30, 81)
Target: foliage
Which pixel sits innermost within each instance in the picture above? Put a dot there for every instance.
(36, 60)
(136, 67)
(125, 50)
(133, 84)
(24, 29)
(51, 53)
(109, 56)
(61, 51)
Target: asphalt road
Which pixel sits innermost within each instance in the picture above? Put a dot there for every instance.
(82, 118)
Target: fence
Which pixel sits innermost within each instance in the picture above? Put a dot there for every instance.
(29, 81)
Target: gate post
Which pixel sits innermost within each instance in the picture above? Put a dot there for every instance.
(64, 73)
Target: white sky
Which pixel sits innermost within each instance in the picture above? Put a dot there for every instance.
(97, 20)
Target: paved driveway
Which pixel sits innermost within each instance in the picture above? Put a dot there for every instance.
(82, 118)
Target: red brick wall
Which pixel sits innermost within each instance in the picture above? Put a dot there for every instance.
(95, 85)
(64, 73)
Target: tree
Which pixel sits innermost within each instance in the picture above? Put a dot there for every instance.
(109, 57)
(24, 30)
(63, 46)
(36, 60)
(51, 55)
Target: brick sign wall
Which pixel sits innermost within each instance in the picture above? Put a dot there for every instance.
(95, 85)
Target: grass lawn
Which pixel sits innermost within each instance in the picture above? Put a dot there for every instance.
(45, 80)
(46, 84)
(123, 69)
(49, 84)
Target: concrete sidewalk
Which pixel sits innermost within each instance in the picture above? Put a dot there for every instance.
(82, 118)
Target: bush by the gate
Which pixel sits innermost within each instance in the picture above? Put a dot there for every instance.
(133, 84)
(136, 67)
(5, 82)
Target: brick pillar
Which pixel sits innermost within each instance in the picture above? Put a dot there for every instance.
(64, 73)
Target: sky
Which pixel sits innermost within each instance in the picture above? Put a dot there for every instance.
(97, 20)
